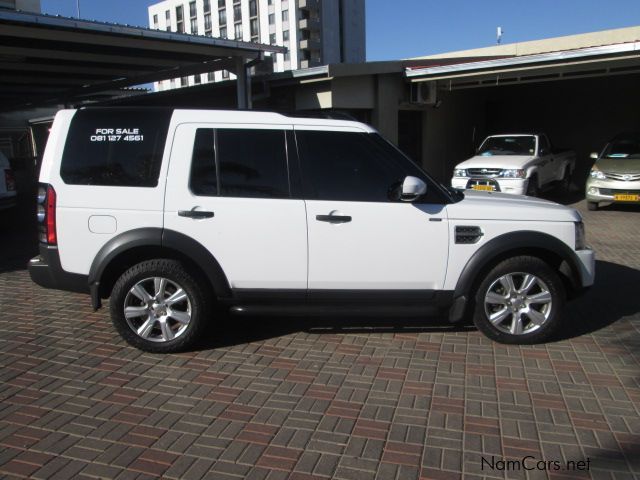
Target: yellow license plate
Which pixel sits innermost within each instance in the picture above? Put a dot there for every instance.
(620, 197)
(486, 188)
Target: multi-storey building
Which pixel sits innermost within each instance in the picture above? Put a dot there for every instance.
(316, 32)
(22, 5)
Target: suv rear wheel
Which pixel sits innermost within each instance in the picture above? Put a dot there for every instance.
(519, 301)
(158, 306)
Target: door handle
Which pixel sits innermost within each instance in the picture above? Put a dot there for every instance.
(333, 218)
(195, 214)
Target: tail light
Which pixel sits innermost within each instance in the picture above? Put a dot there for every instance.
(10, 180)
(47, 214)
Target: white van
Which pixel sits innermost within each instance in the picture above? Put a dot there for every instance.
(174, 212)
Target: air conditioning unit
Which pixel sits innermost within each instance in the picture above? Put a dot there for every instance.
(423, 93)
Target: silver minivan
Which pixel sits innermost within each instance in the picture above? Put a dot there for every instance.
(615, 176)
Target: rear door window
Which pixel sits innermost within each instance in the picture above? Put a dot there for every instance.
(115, 147)
(240, 163)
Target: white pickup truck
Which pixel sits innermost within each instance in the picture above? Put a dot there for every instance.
(520, 164)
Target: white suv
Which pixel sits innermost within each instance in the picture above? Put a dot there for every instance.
(174, 212)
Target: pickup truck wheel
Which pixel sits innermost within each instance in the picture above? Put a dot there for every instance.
(519, 301)
(593, 206)
(532, 187)
(158, 306)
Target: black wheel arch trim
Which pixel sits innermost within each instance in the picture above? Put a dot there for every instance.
(505, 243)
(161, 238)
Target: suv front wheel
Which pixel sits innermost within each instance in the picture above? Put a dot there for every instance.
(519, 301)
(158, 306)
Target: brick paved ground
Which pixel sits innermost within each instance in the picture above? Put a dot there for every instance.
(310, 400)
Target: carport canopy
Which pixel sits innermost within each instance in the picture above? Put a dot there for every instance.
(47, 60)
(596, 61)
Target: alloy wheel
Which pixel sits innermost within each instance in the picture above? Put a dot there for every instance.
(157, 309)
(518, 303)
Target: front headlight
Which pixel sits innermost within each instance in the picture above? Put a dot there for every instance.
(514, 173)
(596, 173)
(581, 242)
(459, 172)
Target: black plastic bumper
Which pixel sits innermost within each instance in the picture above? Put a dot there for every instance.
(46, 271)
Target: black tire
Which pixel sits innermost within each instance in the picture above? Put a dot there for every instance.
(593, 206)
(518, 266)
(196, 305)
(532, 187)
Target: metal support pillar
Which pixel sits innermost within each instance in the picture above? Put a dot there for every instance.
(243, 85)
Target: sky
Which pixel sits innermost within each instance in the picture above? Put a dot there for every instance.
(408, 28)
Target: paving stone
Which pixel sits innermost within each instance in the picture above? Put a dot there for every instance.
(337, 398)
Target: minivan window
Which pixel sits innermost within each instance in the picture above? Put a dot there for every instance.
(119, 147)
(623, 147)
(351, 166)
(240, 163)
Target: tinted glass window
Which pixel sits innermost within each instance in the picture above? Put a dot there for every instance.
(252, 163)
(352, 166)
(203, 179)
(249, 163)
(118, 147)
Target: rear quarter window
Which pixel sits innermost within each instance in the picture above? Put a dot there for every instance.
(119, 147)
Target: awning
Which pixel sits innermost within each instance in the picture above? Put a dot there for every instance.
(49, 59)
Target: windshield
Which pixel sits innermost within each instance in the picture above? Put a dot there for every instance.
(623, 148)
(520, 145)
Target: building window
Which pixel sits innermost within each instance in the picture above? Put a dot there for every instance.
(207, 23)
(210, 77)
(254, 27)
(207, 6)
(253, 8)
(238, 31)
(196, 79)
(225, 73)
(221, 3)
(237, 12)
(155, 21)
(192, 9)
(184, 81)
(270, 2)
(285, 15)
(272, 19)
(272, 38)
(194, 26)
(179, 19)
(223, 32)
(287, 57)
(167, 17)
(222, 16)
(285, 35)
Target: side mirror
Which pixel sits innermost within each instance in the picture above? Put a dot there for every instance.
(412, 189)
(593, 155)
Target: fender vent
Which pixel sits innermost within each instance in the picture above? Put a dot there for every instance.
(466, 235)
